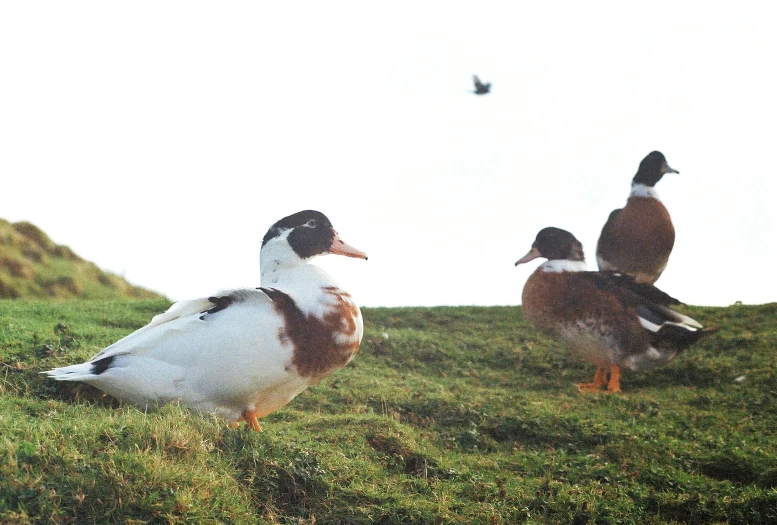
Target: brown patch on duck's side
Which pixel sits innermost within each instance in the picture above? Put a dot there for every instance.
(317, 351)
(638, 239)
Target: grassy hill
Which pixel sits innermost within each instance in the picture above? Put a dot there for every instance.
(32, 265)
(447, 415)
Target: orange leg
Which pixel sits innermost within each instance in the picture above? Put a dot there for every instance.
(615, 379)
(600, 379)
(251, 419)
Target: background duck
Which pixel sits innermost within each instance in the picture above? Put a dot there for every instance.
(637, 239)
(241, 354)
(607, 317)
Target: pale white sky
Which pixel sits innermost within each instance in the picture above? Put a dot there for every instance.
(161, 139)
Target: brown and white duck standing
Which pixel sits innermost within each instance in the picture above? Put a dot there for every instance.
(637, 239)
(241, 354)
(606, 317)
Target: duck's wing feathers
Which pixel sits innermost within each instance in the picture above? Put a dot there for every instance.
(651, 304)
(630, 290)
(666, 327)
(218, 353)
(480, 87)
(181, 317)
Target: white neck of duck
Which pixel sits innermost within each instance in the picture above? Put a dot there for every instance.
(280, 267)
(278, 257)
(563, 265)
(643, 191)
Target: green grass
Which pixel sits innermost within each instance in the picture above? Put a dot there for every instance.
(447, 415)
(33, 266)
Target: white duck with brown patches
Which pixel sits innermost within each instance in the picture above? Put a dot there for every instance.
(241, 354)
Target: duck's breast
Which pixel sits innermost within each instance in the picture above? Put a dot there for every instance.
(325, 336)
(639, 240)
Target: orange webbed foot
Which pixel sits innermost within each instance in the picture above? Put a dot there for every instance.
(588, 387)
(600, 379)
(251, 419)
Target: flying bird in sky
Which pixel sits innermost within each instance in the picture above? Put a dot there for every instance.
(480, 87)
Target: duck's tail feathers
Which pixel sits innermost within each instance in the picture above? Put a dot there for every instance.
(680, 337)
(654, 316)
(79, 372)
(672, 339)
(670, 332)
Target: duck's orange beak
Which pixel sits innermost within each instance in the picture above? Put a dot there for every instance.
(533, 254)
(340, 247)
